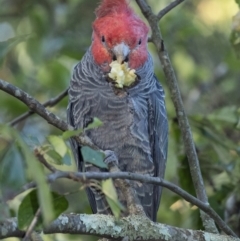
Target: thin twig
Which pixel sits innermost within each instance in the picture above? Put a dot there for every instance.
(32, 225)
(50, 103)
(193, 161)
(167, 9)
(40, 157)
(83, 176)
(133, 205)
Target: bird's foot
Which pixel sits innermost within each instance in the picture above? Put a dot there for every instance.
(88, 120)
(110, 159)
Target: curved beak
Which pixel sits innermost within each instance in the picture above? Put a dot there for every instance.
(120, 53)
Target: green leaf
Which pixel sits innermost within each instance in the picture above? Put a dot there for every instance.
(184, 175)
(216, 137)
(227, 114)
(235, 34)
(224, 156)
(12, 169)
(31, 141)
(52, 156)
(238, 2)
(44, 191)
(28, 209)
(44, 148)
(8, 45)
(50, 69)
(68, 134)
(60, 204)
(96, 123)
(111, 196)
(238, 124)
(33, 167)
(67, 160)
(93, 157)
(58, 145)
(30, 205)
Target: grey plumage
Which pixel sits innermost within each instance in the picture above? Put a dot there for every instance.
(134, 126)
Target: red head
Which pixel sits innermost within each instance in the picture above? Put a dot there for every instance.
(118, 34)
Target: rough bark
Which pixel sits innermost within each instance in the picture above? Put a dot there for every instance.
(133, 227)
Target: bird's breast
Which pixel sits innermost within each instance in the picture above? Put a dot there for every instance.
(116, 113)
(124, 129)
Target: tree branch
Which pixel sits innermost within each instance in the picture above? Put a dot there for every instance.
(54, 120)
(39, 109)
(167, 9)
(34, 105)
(31, 227)
(181, 115)
(133, 227)
(8, 228)
(49, 103)
(83, 176)
(133, 204)
(43, 161)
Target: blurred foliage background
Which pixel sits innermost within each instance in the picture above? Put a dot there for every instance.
(41, 41)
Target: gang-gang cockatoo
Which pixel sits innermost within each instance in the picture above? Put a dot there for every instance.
(115, 82)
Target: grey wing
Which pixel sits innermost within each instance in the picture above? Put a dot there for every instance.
(158, 132)
(76, 150)
(77, 121)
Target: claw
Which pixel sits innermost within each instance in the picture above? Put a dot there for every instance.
(110, 158)
(88, 120)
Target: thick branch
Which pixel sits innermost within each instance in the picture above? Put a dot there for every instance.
(39, 109)
(167, 9)
(83, 176)
(34, 105)
(49, 103)
(181, 115)
(133, 227)
(8, 228)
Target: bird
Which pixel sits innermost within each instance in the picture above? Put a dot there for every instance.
(134, 117)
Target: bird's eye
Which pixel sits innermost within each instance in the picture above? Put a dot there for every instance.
(140, 42)
(103, 39)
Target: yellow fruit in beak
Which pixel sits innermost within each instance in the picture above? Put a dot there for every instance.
(121, 74)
